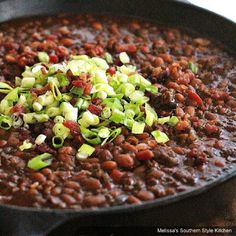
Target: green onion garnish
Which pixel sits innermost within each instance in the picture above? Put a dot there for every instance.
(5, 88)
(119, 100)
(173, 121)
(193, 67)
(138, 127)
(57, 141)
(85, 151)
(43, 57)
(40, 161)
(77, 91)
(160, 136)
(5, 122)
(26, 145)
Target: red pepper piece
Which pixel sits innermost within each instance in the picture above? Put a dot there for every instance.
(17, 109)
(72, 126)
(53, 58)
(195, 97)
(95, 109)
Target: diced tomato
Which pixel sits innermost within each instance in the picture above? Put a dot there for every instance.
(144, 155)
(96, 100)
(95, 109)
(72, 126)
(78, 83)
(195, 97)
(18, 109)
(111, 70)
(87, 89)
(53, 58)
(82, 84)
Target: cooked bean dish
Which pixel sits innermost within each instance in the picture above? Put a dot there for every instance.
(101, 111)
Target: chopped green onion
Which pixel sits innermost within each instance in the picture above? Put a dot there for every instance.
(26, 145)
(117, 116)
(57, 141)
(106, 112)
(104, 132)
(66, 107)
(5, 88)
(43, 57)
(17, 121)
(62, 79)
(55, 91)
(152, 89)
(138, 127)
(85, 151)
(60, 130)
(173, 121)
(59, 119)
(102, 94)
(46, 99)
(41, 117)
(100, 63)
(66, 97)
(40, 161)
(37, 106)
(112, 136)
(29, 118)
(40, 139)
(108, 57)
(151, 115)
(124, 58)
(130, 113)
(12, 95)
(127, 89)
(5, 122)
(90, 136)
(28, 82)
(77, 91)
(193, 67)
(72, 115)
(160, 137)
(88, 119)
(53, 111)
(163, 120)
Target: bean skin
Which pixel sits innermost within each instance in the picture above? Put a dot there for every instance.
(125, 160)
(94, 201)
(109, 165)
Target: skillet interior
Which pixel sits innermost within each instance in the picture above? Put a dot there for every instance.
(178, 14)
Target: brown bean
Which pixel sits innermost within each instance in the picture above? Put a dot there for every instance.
(145, 195)
(67, 42)
(96, 200)
(129, 147)
(109, 165)
(91, 183)
(68, 199)
(133, 200)
(125, 160)
(72, 184)
(179, 97)
(38, 177)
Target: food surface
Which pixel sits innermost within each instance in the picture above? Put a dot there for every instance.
(100, 112)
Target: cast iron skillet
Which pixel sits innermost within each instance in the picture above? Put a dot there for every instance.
(165, 211)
